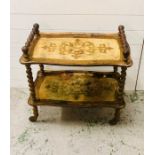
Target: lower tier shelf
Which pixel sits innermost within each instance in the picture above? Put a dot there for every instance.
(76, 88)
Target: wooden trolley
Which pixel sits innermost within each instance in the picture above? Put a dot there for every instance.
(77, 88)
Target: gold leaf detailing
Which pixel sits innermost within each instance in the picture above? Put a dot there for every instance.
(103, 48)
(50, 47)
(77, 48)
(66, 47)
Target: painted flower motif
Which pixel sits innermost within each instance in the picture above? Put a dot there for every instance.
(66, 47)
(49, 46)
(53, 87)
(77, 48)
(88, 47)
(103, 48)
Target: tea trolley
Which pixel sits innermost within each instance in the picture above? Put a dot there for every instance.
(77, 88)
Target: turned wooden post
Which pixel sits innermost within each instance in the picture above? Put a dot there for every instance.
(122, 83)
(41, 69)
(32, 93)
(115, 69)
(35, 31)
(35, 114)
(125, 44)
(30, 81)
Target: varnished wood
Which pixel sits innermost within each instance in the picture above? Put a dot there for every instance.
(115, 69)
(56, 103)
(35, 31)
(124, 42)
(41, 69)
(116, 117)
(122, 84)
(30, 81)
(117, 104)
(44, 58)
(35, 114)
(74, 63)
(76, 86)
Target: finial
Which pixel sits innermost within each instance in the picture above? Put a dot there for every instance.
(35, 28)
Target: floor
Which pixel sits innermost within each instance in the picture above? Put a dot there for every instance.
(66, 131)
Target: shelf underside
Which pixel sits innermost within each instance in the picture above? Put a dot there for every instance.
(76, 87)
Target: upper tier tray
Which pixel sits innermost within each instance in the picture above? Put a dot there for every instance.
(77, 49)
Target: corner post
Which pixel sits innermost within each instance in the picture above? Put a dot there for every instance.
(121, 83)
(30, 81)
(115, 69)
(32, 93)
(126, 48)
(42, 72)
(25, 48)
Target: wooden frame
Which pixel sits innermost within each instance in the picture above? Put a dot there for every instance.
(120, 77)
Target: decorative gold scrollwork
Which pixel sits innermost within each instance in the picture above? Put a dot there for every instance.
(50, 47)
(76, 48)
(103, 48)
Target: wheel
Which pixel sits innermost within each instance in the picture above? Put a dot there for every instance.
(116, 117)
(35, 113)
(113, 121)
(33, 118)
